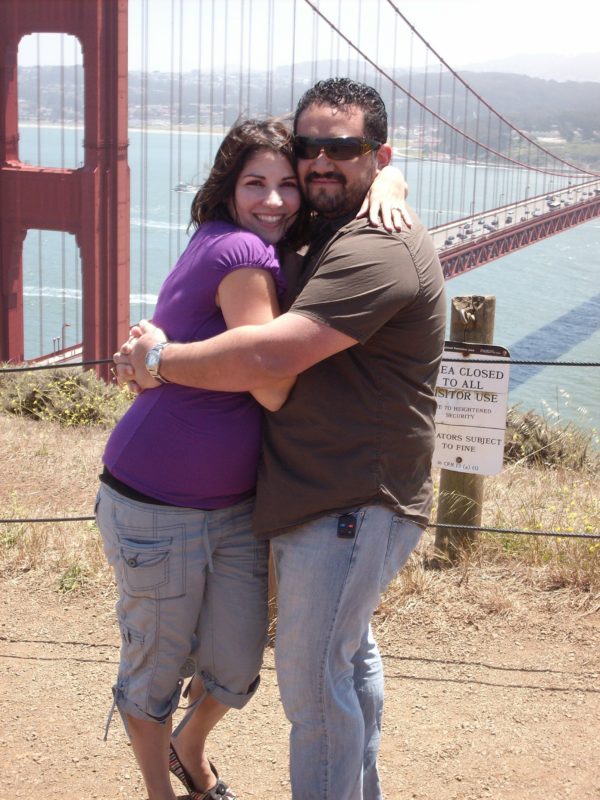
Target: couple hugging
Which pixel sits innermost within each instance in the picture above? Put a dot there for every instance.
(291, 297)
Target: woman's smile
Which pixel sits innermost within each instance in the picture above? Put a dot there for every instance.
(267, 197)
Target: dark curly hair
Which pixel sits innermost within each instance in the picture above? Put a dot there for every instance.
(340, 92)
(244, 140)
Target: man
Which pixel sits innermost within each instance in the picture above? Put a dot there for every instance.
(344, 489)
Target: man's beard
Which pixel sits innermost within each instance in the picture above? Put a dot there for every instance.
(334, 204)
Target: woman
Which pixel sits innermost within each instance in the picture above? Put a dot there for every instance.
(175, 502)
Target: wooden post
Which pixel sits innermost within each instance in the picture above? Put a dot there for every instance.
(460, 500)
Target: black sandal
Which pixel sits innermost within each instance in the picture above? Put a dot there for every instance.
(220, 791)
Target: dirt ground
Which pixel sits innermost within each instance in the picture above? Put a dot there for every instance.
(481, 704)
(492, 680)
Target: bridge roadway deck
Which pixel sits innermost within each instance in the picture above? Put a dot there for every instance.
(478, 247)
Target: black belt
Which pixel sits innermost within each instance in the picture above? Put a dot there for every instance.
(122, 488)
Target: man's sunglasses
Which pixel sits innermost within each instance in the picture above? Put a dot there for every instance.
(339, 149)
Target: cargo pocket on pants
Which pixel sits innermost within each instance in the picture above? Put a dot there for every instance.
(152, 567)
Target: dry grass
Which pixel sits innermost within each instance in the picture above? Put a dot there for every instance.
(49, 470)
(538, 440)
(504, 574)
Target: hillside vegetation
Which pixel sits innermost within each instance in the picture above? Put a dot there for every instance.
(569, 110)
(53, 431)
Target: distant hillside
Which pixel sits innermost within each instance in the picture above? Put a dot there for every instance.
(569, 108)
(533, 104)
(581, 67)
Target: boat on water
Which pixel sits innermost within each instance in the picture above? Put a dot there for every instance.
(185, 187)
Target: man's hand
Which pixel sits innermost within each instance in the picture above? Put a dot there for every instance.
(385, 201)
(130, 361)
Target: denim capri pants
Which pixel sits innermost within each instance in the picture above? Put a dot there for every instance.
(192, 587)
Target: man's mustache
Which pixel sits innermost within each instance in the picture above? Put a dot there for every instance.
(333, 176)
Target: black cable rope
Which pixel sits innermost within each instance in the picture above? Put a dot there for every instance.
(517, 531)
(480, 528)
(520, 361)
(57, 366)
(528, 362)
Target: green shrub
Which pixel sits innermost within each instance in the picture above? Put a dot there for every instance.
(73, 578)
(67, 396)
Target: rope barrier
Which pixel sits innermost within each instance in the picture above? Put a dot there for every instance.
(57, 366)
(22, 520)
(528, 362)
(522, 361)
(512, 531)
(516, 531)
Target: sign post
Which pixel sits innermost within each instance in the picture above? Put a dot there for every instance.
(472, 397)
(465, 398)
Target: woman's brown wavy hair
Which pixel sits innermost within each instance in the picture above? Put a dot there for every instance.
(243, 142)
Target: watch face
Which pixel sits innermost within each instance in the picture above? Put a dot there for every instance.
(152, 360)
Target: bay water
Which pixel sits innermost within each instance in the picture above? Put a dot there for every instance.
(547, 295)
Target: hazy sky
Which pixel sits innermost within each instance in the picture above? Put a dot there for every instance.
(462, 31)
(467, 31)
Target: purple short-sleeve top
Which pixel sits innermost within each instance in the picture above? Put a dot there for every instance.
(192, 447)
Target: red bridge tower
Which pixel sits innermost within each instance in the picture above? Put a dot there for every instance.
(91, 202)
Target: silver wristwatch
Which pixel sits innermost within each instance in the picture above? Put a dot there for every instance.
(153, 361)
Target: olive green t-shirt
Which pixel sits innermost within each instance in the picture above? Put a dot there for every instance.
(358, 427)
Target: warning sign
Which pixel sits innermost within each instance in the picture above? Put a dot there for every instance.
(472, 397)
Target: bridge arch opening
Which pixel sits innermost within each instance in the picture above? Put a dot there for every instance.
(51, 100)
(52, 292)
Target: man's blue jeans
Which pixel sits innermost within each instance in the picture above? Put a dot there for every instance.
(328, 666)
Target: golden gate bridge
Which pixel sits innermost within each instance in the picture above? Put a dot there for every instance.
(482, 186)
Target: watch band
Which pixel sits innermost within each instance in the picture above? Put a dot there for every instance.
(153, 361)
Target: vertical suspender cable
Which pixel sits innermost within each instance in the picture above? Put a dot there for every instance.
(434, 164)
(358, 32)
(470, 157)
(199, 98)
(476, 155)
(225, 38)
(293, 75)
(349, 60)
(171, 131)
(506, 170)
(394, 89)
(314, 51)
(249, 67)
(422, 133)
(211, 103)
(463, 161)
(270, 43)
(487, 162)
(496, 182)
(408, 103)
(331, 50)
(39, 161)
(378, 79)
(451, 167)
(337, 52)
(179, 125)
(76, 160)
(63, 240)
(143, 272)
(241, 75)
